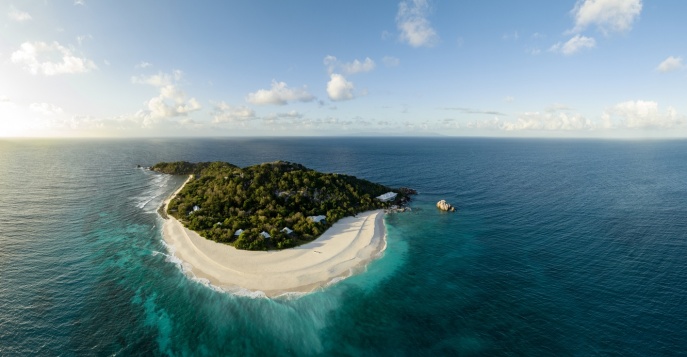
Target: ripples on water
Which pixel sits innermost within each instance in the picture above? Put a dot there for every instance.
(559, 248)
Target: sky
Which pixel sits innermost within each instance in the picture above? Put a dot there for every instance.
(531, 68)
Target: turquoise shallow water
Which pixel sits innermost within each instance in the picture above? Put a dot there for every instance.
(559, 248)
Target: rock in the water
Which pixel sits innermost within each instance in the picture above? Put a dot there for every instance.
(445, 206)
(407, 191)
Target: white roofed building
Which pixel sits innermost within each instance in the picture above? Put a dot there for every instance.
(389, 196)
(318, 219)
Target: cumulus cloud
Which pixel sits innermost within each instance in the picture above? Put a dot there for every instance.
(225, 113)
(670, 64)
(38, 58)
(333, 64)
(143, 64)
(607, 15)
(18, 15)
(640, 114)
(412, 22)
(279, 94)
(549, 121)
(338, 88)
(46, 109)
(290, 114)
(573, 45)
(628, 115)
(158, 80)
(170, 102)
(358, 66)
(555, 118)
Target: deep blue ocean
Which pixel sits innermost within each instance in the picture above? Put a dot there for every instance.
(559, 248)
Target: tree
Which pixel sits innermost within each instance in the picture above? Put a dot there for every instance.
(266, 197)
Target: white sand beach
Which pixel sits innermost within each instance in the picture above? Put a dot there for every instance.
(342, 250)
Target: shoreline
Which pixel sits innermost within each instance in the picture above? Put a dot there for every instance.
(341, 251)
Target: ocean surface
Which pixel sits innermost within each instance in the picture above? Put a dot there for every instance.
(559, 248)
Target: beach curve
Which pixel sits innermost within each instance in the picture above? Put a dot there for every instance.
(344, 249)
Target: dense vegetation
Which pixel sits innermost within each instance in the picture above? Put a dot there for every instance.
(222, 198)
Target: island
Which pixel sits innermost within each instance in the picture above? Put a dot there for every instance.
(274, 228)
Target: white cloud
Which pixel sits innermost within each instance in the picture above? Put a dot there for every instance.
(640, 114)
(82, 38)
(573, 45)
(158, 80)
(412, 22)
(331, 62)
(291, 118)
(79, 2)
(390, 61)
(38, 58)
(549, 121)
(354, 67)
(629, 115)
(143, 64)
(537, 121)
(46, 109)
(607, 15)
(509, 99)
(18, 15)
(170, 102)
(338, 88)
(279, 94)
(511, 36)
(224, 113)
(357, 66)
(290, 114)
(670, 64)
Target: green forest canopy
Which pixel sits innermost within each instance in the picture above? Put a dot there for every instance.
(222, 198)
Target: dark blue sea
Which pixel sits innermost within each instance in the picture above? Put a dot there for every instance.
(559, 248)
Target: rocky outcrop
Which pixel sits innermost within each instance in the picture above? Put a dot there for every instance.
(445, 206)
(407, 191)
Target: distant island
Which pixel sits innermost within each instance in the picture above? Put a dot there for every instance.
(273, 205)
